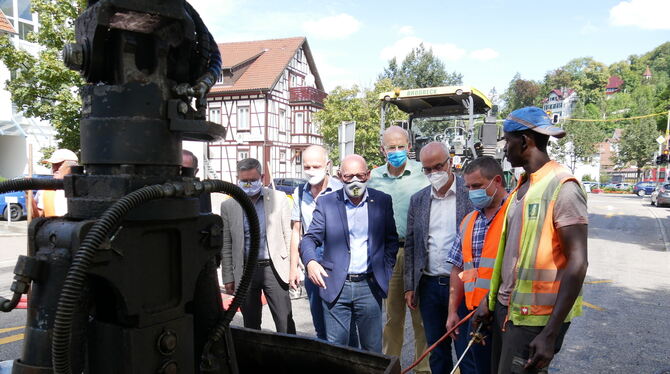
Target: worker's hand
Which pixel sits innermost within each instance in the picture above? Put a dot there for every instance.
(452, 321)
(294, 278)
(229, 288)
(410, 300)
(316, 273)
(541, 351)
(482, 315)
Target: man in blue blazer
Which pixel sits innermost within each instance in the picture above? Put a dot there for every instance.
(355, 225)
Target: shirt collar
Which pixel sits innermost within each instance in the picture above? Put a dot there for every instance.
(450, 191)
(347, 199)
(333, 184)
(410, 167)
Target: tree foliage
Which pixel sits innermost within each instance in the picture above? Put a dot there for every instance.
(42, 86)
(580, 144)
(419, 69)
(520, 93)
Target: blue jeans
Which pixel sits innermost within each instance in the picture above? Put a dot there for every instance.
(316, 308)
(359, 304)
(434, 307)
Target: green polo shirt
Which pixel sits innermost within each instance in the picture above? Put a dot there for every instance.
(401, 188)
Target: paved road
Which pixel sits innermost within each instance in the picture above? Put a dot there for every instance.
(625, 324)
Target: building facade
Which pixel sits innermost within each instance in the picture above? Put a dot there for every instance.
(18, 133)
(266, 98)
(560, 104)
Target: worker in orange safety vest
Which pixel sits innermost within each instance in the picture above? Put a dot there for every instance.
(473, 256)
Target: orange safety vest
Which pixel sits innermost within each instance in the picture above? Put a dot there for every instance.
(477, 280)
(541, 261)
(49, 203)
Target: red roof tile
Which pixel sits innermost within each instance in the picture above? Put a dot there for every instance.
(5, 25)
(647, 72)
(614, 82)
(268, 59)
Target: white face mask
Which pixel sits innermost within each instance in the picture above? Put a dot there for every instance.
(250, 188)
(355, 188)
(438, 179)
(314, 176)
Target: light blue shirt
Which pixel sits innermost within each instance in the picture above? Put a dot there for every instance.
(307, 206)
(357, 220)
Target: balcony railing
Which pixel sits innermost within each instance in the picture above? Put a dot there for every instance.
(309, 95)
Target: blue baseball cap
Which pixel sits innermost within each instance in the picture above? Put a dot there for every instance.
(531, 118)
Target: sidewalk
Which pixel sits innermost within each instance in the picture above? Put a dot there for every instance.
(19, 228)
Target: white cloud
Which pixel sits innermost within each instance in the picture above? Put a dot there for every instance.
(484, 54)
(645, 14)
(332, 27)
(406, 30)
(400, 49)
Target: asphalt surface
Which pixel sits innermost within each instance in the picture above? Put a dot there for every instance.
(625, 324)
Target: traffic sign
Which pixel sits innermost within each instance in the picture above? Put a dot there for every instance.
(660, 140)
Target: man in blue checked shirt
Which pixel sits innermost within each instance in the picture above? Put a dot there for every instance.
(484, 179)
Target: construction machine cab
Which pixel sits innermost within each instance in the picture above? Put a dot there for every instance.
(458, 116)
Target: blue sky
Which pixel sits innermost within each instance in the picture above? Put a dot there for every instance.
(488, 41)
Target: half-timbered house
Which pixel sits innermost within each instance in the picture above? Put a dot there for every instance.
(266, 98)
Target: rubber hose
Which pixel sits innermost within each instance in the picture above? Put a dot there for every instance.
(7, 305)
(31, 184)
(249, 266)
(76, 276)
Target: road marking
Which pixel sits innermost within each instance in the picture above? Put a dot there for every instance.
(8, 329)
(600, 281)
(11, 339)
(664, 234)
(592, 306)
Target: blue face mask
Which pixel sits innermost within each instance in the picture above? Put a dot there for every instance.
(480, 199)
(397, 158)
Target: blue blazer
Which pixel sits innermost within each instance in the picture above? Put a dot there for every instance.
(329, 228)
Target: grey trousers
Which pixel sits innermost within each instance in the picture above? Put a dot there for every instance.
(276, 293)
(510, 347)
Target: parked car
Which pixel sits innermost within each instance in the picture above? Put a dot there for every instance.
(644, 188)
(288, 185)
(661, 195)
(590, 185)
(13, 204)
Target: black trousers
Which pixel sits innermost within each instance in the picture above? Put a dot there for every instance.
(510, 347)
(276, 293)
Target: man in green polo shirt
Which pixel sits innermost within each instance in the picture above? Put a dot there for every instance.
(400, 178)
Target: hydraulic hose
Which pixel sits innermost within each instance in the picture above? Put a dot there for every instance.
(208, 68)
(31, 184)
(108, 222)
(7, 305)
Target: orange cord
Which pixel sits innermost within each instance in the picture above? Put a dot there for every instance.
(445, 336)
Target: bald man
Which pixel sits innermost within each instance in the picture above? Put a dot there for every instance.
(400, 178)
(354, 270)
(433, 217)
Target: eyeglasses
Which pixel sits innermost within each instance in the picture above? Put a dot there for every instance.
(436, 167)
(393, 148)
(360, 176)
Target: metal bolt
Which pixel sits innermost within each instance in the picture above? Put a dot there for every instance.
(169, 367)
(73, 56)
(167, 342)
(183, 107)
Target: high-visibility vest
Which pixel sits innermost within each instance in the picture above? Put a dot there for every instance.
(541, 260)
(49, 203)
(477, 280)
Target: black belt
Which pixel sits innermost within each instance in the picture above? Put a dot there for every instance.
(263, 262)
(357, 277)
(401, 243)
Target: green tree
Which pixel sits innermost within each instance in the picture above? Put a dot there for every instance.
(520, 93)
(42, 86)
(419, 69)
(638, 140)
(362, 106)
(580, 144)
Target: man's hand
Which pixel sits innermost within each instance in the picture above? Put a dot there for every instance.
(316, 273)
(294, 278)
(229, 288)
(482, 315)
(541, 351)
(452, 320)
(410, 300)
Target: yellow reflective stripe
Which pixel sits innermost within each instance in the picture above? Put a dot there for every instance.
(543, 275)
(485, 262)
(528, 298)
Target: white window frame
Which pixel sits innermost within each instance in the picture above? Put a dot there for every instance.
(301, 123)
(242, 154)
(216, 113)
(247, 117)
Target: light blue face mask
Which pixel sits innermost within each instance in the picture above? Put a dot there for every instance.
(479, 198)
(397, 158)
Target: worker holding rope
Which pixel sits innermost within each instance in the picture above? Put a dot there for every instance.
(542, 253)
(472, 255)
